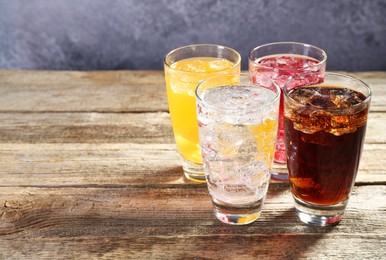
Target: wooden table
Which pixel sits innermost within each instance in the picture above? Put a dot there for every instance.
(89, 169)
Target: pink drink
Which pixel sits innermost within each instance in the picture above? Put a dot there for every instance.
(280, 68)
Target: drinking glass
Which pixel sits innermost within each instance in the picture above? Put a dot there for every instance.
(325, 128)
(237, 127)
(185, 67)
(279, 61)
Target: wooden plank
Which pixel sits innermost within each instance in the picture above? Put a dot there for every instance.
(178, 223)
(110, 91)
(86, 128)
(377, 83)
(375, 130)
(85, 164)
(372, 165)
(214, 246)
(114, 128)
(123, 164)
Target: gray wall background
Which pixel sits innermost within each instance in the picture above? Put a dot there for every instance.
(129, 34)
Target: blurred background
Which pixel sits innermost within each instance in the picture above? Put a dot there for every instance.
(129, 34)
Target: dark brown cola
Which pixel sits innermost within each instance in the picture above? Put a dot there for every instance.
(325, 129)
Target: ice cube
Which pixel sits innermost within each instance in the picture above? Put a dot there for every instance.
(322, 101)
(221, 172)
(255, 175)
(306, 185)
(227, 142)
(324, 139)
(340, 121)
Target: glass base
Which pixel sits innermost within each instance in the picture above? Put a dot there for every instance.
(279, 172)
(279, 176)
(320, 215)
(193, 171)
(236, 214)
(280, 156)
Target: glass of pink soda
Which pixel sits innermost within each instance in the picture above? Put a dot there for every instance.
(281, 61)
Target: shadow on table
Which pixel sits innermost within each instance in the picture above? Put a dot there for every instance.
(277, 234)
(280, 237)
(294, 239)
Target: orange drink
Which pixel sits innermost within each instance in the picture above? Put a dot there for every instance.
(185, 68)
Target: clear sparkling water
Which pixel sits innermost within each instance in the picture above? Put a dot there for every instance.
(234, 166)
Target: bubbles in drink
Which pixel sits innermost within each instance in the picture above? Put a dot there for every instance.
(290, 62)
(240, 105)
(202, 65)
(328, 109)
(281, 67)
(187, 73)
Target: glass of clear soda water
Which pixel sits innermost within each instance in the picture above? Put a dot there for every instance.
(237, 122)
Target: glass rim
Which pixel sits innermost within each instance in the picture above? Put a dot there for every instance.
(202, 45)
(274, 99)
(324, 54)
(314, 107)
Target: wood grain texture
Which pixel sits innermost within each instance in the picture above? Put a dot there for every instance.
(163, 222)
(128, 164)
(59, 91)
(151, 127)
(110, 91)
(377, 83)
(89, 170)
